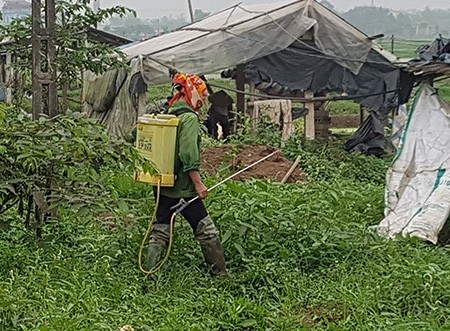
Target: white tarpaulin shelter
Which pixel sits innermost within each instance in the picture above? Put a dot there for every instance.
(418, 182)
(243, 33)
(228, 38)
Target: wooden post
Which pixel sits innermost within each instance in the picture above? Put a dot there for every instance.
(142, 101)
(251, 107)
(310, 130)
(50, 13)
(44, 70)
(392, 44)
(361, 114)
(291, 170)
(36, 44)
(240, 97)
(9, 77)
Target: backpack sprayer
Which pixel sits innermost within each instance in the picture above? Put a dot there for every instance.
(156, 136)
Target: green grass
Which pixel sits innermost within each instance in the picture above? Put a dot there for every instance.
(443, 88)
(403, 48)
(343, 107)
(301, 257)
(343, 131)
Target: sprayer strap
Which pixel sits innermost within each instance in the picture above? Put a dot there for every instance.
(181, 111)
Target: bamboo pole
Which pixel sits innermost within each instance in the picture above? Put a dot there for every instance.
(291, 170)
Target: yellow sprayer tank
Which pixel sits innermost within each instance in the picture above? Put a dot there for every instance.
(156, 141)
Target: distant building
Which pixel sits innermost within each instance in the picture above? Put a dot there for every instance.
(13, 9)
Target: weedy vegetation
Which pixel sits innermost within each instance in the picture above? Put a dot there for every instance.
(301, 256)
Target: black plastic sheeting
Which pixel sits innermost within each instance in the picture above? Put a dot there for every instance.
(438, 50)
(299, 67)
(369, 138)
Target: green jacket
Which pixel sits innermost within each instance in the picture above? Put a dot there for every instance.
(187, 153)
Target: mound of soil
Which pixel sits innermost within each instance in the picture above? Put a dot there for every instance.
(235, 158)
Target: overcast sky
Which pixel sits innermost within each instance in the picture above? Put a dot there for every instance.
(159, 8)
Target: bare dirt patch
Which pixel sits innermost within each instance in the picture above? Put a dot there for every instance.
(235, 158)
(345, 121)
(328, 312)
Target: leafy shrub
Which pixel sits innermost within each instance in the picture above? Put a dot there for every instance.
(59, 162)
(263, 131)
(327, 160)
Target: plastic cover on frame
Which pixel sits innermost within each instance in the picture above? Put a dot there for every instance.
(418, 182)
(243, 33)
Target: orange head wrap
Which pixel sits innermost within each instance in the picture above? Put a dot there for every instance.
(192, 87)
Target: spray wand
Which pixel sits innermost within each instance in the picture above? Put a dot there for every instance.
(183, 204)
(178, 208)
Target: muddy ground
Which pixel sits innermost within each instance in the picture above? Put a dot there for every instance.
(345, 121)
(232, 159)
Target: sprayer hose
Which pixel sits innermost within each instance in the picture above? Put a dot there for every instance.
(157, 267)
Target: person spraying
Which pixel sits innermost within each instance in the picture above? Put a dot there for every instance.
(189, 94)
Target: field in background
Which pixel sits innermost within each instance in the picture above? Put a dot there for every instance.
(402, 48)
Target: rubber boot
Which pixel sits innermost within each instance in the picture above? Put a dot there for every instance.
(208, 237)
(159, 239)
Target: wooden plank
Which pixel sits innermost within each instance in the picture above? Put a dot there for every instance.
(310, 130)
(240, 86)
(142, 100)
(9, 77)
(291, 170)
(51, 53)
(36, 44)
(251, 106)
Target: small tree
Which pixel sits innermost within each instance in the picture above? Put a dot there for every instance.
(60, 163)
(75, 51)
